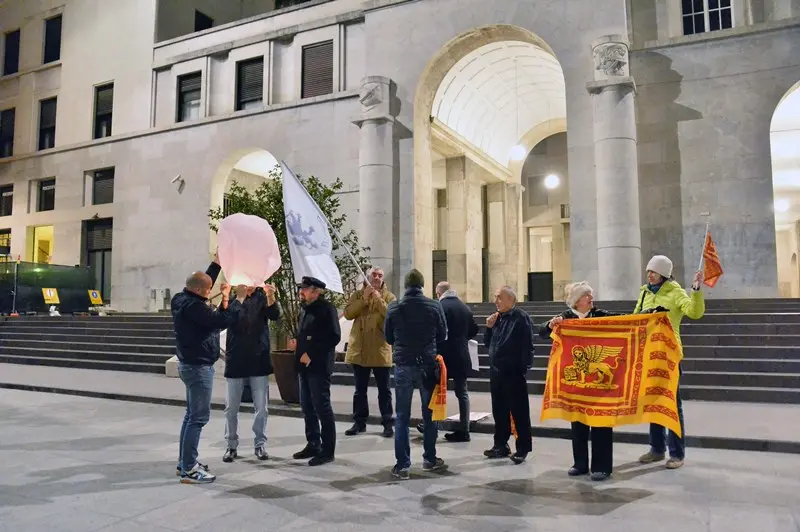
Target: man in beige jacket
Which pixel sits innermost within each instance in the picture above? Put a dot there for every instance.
(368, 352)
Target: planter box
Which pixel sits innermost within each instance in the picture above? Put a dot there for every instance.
(283, 363)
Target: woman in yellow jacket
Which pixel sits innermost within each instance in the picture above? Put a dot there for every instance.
(663, 291)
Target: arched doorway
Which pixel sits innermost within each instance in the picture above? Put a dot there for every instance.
(482, 103)
(784, 142)
(248, 167)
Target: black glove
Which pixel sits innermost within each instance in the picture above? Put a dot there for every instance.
(655, 310)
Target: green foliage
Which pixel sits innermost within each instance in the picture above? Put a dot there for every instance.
(267, 202)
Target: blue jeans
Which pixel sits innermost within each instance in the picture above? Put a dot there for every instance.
(315, 401)
(677, 446)
(198, 381)
(405, 377)
(259, 386)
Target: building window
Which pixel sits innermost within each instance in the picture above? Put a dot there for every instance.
(103, 187)
(52, 39)
(47, 123)
(280, 4)
(250, 84)
(317, 69)
(47, 195)
(103, 107)
(189, 96)
(11, 53)
(6, 200)
(5, 244)
(202, 21)
(700, 16)
(7, 118)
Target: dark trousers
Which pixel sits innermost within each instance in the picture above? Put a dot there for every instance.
(659, 443)
(315, 401)
(602, 448)
(510, 398)
(360, 402)
(460, 389)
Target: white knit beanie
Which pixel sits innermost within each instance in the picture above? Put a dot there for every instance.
(574, 291)
(661, 265)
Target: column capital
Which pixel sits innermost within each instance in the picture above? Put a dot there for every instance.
(610, 55)
(596, 87)
(376, 95)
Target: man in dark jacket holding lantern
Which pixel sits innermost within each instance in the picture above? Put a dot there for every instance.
(317, 337)
(247, 361)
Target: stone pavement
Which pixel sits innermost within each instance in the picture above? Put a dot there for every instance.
(83, 464)
(743, 426)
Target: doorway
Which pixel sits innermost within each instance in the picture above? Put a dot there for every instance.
(98, 254)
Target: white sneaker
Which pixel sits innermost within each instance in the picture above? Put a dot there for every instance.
(197, 475)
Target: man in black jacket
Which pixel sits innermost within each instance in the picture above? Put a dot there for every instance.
(461, 328)
(509, 335)
(247, 360)
(197, 327)
(414, 325)
(317, 337)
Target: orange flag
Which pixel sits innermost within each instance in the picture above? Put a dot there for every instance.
(712, 266)
(438, 402)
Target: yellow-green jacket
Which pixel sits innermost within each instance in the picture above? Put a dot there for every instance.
(674, 298)
(367, 346)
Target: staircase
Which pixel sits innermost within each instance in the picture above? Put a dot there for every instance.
(742, 350)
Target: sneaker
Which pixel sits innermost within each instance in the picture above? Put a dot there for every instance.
(261, 454)
(355, 429)
(457, 437)
(204, 467)
(650, 457)
(437, 465)
(197, 475)
(388, 431)
(598, 476)
(497, 452)
(518, 457)
(321, 459)
(575, 472)
(230, 455)
(401, 474)
(307, 452)
(674, 463)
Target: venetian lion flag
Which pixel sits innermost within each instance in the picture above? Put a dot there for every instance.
(606, 372)
(712, 265)
(438, 402)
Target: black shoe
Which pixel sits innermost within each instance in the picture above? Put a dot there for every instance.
(388, 431)
(261, 454)
(599, 476)
(575, 472)
(321, 459)
(421, 428)
(519, 457)
(497, 452)
(307, 452)
(355, 429)
(230, 455)
(457, 437)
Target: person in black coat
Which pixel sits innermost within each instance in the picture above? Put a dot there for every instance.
(509, 336)
(461, 327)
(580, 300)
(317, 337)
(247, 361)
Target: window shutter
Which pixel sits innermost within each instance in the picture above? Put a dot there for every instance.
(189, 83)
(251, 80)
(47, 116)
(103, 187)
(7, 123)
(99, 235)
(105, 100)
(317, 69)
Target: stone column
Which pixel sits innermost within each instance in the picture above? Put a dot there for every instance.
(619, 249)
(464, 229)
(376, 154)
(505, 218)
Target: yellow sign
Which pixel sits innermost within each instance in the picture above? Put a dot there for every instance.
(50, 296)
(94, 297)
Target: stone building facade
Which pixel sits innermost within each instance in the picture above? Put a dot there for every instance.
(490, 143)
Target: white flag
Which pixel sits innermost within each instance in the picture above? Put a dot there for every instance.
(310, 243)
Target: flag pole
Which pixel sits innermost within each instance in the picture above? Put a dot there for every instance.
(330, 225)
(703, 249)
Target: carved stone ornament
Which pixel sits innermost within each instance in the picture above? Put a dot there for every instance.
(611, 59)
(370, 95)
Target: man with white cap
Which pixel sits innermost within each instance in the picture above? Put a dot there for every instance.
(663, 293)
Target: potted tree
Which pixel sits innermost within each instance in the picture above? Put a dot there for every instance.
(266, 201)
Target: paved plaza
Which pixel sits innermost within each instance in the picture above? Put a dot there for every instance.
(81, 464)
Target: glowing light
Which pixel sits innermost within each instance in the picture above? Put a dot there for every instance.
(552, 181)
(781, 205)
(518, 152)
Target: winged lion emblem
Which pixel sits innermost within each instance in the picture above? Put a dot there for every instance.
(590, 360)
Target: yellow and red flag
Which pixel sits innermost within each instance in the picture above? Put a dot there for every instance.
(712, 265)
(438, 404)
(621, 370)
